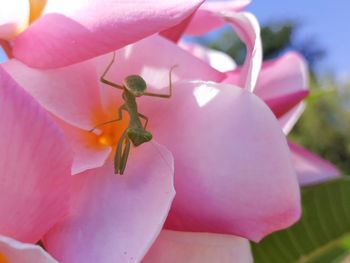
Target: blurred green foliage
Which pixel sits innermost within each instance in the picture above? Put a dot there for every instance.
(325, 124)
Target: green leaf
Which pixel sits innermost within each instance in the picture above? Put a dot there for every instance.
(322, 234)
(317, 94)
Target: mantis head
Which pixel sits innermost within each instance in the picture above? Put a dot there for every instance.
(135, 84)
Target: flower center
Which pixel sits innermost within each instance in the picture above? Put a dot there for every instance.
(106, 139)
(109, 131)
(3, 258)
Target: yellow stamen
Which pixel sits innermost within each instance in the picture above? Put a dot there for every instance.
(3, 258)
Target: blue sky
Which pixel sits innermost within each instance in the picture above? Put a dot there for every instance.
(327, 21)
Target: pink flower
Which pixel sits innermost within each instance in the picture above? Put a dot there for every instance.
(191, 107)
(233, 173)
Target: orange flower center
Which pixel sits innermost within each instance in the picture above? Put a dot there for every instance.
(107, 132)
(106, 139)
(3, 258)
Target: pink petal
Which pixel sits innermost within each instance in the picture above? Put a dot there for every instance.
(283, 104)
(14, 18)
(70, 93)
(174, 33)
(283, 77)
(116, 218)
(35, 166)
(310, 168)
(248, 30)
(69, 32)
(225, 5)
(233, 167)
(215, 58)
(14, 251)
(154, 68)
(88, 153)
(175, 247)
(288, 120)
(207, 17)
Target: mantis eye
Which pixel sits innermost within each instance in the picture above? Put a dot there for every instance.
(135, 84)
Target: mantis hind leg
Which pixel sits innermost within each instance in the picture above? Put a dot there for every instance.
(170, 92)
(121, 155)
(125, 155)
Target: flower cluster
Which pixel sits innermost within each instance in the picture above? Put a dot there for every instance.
(218, 142)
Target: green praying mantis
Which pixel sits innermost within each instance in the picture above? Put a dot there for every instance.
(133, 86)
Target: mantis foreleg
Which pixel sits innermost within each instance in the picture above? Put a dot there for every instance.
(170, 88)
(104, 80)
